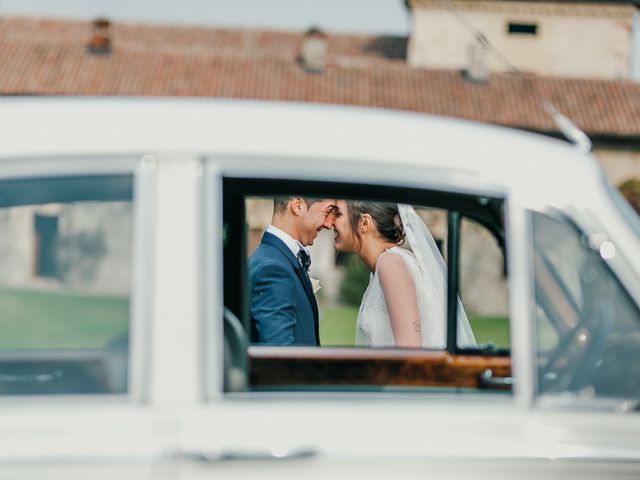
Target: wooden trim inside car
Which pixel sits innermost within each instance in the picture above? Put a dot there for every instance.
(309, 366)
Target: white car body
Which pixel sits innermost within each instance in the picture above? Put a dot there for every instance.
(176, 421)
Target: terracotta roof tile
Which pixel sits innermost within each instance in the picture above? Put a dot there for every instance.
(49, 57)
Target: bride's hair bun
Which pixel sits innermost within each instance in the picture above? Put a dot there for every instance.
(400, 235)
(384, 215)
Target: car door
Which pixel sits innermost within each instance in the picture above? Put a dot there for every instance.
(75, 295)
(327, 423)
(285, 411)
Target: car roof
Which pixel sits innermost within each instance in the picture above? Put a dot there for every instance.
(36, 126)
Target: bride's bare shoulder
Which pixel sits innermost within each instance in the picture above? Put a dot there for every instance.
(390, 264)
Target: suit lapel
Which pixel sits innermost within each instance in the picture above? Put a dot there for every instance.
(275, 242)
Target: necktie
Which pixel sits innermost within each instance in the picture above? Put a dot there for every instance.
(304, 259)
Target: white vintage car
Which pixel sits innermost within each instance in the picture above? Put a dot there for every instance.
(124, 339)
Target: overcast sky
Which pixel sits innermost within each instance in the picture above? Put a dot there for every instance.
(358, 16)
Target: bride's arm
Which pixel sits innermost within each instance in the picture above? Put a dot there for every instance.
(400, 298)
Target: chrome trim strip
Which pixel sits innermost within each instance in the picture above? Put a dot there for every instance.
(213, 328)
(142, 278)
(354, 171)
(520, 263)
(201, 243)
(73, 165)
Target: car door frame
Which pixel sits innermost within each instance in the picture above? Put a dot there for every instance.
(115, 432)
(249, 408)
(233, 169)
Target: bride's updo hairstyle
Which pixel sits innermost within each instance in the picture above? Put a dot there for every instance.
(384, 215)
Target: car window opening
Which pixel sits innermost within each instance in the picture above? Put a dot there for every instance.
(339, 350)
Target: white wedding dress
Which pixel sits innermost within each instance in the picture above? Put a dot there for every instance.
(428, 271)
(373, 327)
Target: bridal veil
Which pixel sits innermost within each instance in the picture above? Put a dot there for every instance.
(433, 268)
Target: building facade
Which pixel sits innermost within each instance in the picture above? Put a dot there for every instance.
(582, 39)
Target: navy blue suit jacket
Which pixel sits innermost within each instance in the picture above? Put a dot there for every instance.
(283, 308)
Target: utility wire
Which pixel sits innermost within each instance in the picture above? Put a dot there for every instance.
(566, 126)
(480, 37)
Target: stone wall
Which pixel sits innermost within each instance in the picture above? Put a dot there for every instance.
(620, 162)
(572, 39)
(92, 251)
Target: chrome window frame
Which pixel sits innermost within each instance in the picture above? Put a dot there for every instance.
(517, 229)
(211, 244)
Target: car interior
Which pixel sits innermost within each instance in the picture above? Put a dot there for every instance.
(588, 330)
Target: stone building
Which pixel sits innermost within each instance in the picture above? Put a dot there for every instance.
(558, 41)
(562, 38)
(52, 57)
(78, 246)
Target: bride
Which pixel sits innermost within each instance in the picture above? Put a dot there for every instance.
(404, 304)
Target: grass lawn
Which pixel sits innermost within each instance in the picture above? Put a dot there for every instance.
(32, 319)
(36, 319)
(337, 327)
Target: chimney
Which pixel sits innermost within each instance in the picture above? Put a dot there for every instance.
(477, 70)
(100, 41)
(313, 56)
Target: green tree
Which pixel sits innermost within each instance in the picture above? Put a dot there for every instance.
(355, 281)
(630, 189)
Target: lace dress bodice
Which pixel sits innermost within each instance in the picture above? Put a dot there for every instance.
(373, 326)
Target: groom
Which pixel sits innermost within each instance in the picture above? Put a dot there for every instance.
(283, 307)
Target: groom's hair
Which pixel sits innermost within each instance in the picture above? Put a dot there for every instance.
(280, 203)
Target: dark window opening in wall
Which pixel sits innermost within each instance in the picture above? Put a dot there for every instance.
(46, 231)
(516, 28)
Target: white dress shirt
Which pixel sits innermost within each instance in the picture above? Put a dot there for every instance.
(293, 244)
